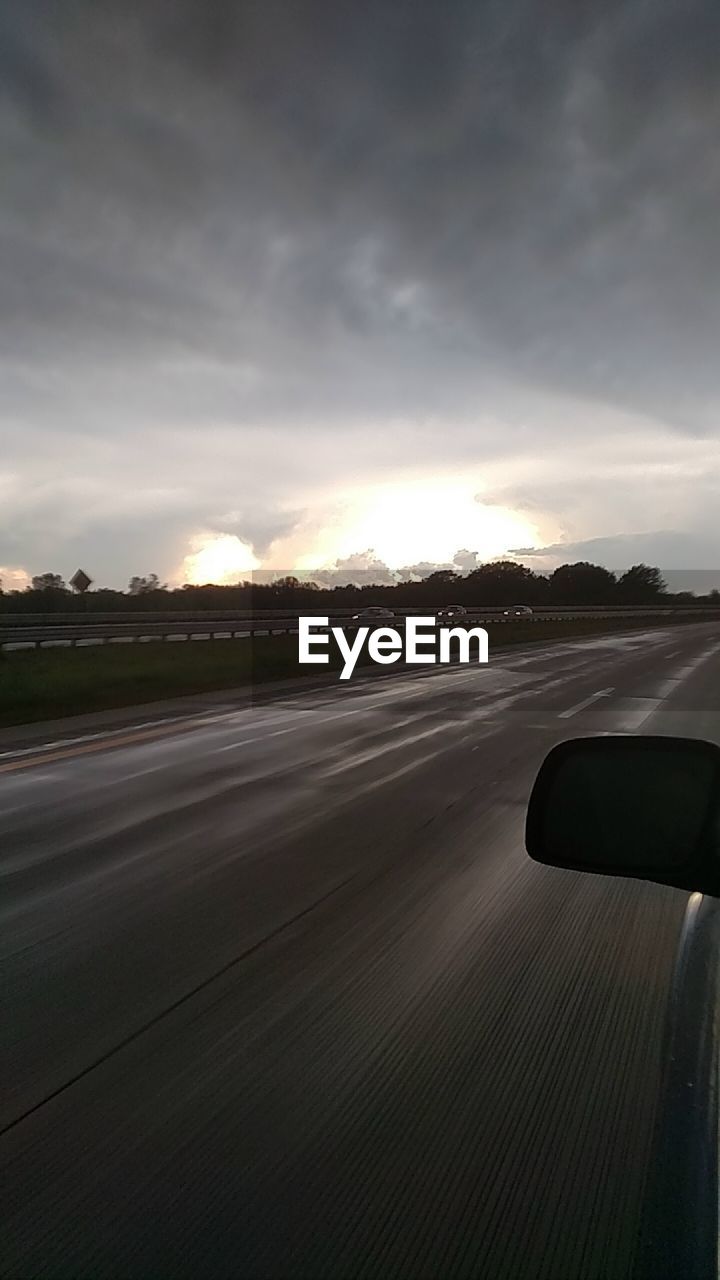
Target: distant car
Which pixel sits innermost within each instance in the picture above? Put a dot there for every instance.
(374, 614)
(518, 611)
(451, 611)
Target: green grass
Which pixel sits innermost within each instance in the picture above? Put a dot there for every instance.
(43, 684)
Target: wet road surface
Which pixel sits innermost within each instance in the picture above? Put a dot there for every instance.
(284, 996)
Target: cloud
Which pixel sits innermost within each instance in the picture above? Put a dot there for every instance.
(669, 549)
(465, 561)
(258, 526)
(13, 579)
(251, 257)
(363, 568)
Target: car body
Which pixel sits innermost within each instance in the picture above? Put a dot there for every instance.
(518, 611)
(648, 808)
(375, 613)
(451, 611)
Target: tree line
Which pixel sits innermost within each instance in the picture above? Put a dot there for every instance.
(496, 584)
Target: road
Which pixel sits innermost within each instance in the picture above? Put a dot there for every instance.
(284, 996)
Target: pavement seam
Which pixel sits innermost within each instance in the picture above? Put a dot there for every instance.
(171, 1008)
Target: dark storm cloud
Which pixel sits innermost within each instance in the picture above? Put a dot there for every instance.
(333, 214)
(673, 549)
(547, 173)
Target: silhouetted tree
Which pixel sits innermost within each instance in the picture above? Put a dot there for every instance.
(142, 586)
(501, 582)
(641, 584)
(497, 584)
(582, 583)
(48, 582)
(441, 576)
(684, 598)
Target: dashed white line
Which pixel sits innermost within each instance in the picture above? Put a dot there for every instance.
(586, 702)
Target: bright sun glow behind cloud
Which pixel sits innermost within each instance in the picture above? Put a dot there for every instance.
(422, 520)
(218, 558)
(405, 523)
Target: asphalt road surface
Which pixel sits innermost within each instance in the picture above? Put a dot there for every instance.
(284, 996)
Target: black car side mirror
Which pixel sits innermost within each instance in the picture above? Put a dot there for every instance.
(648, 808)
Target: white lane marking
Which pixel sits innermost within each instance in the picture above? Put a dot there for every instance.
(364, 757)
(245, 742)
(580, 706)
(392, 777)
(635, 712)
(295, 728)
(666, 689)
(668, 686)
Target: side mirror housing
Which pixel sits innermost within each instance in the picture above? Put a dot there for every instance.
(643, 807)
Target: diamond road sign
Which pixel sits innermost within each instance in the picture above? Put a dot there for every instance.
(80, 580)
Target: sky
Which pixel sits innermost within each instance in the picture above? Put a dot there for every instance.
(304, 284)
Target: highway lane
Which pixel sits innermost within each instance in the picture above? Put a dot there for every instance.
(283, 994)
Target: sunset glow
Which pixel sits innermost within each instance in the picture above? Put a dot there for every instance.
(420, 520)
(217, 557)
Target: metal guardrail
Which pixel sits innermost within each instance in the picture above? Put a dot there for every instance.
(151, 627)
